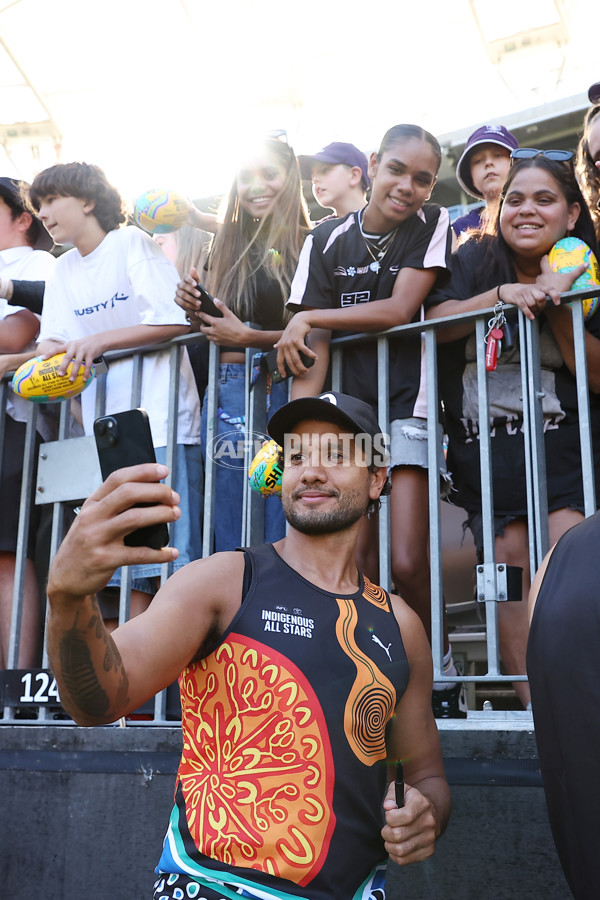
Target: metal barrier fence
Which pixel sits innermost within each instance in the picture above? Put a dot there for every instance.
(67, 471)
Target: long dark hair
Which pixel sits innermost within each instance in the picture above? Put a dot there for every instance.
(500, 254)
(587, 173)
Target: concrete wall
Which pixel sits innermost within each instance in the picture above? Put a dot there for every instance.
(84, 812)
(498, 845)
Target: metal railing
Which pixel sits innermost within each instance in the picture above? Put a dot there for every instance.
(491, 573)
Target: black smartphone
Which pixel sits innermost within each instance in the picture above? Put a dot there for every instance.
(208, 303)
(271, 363)
(124, 439)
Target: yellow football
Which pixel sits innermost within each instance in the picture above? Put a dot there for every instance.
(38, 380)
(265, 470)
(159, 212)
(565, 256)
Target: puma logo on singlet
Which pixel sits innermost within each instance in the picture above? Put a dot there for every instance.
(383, 647)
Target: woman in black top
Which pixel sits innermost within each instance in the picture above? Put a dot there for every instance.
(249, 271)
(540, 204)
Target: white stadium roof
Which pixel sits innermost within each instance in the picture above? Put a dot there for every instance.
(166, 92)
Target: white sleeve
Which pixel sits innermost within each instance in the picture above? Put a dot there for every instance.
(154, 280)
(40, 266)
(35, 266)
(300, 279)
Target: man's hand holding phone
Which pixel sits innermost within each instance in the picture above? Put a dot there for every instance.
(125, 439)
(129, 499)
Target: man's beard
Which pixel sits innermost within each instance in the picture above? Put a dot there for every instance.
(314, 522)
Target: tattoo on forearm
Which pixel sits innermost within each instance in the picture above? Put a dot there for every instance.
(112, 657)
(79, 675)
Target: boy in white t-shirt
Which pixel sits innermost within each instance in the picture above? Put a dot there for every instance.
(114, 290)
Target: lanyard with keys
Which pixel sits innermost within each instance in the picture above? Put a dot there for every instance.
(493, 338)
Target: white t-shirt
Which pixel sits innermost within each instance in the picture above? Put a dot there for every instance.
(26, 264)
(127, 280)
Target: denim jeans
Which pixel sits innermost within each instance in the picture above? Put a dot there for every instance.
(229, 478)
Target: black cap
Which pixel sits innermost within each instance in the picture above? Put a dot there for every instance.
(341, 409)
(594, 92)
(11, 193)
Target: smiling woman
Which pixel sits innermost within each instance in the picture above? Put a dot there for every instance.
(263, 223)
(259, 185)
(535, 214)
(249, 270)
(540, 204)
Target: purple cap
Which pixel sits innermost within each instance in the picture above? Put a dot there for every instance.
(334, 155)
(487, 134)
(594, 92)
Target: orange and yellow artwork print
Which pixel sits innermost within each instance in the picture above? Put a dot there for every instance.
(372, 697)
(257, 769)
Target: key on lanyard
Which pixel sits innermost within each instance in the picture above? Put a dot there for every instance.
(493, 349)
(493, 340)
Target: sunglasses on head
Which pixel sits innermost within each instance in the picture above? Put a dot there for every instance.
(278, 134)
(281, 136)
(531, 152)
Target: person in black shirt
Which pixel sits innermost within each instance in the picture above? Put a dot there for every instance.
(249, 271)
(368, 272)
(540, 203)
(563, 670)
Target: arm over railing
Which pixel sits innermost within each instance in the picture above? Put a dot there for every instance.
(61, 490)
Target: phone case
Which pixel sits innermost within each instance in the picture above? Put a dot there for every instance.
(271, 362)
(124, 439)
(208, 303)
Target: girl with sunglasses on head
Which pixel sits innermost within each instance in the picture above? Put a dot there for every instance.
(540, 203)
(588, 157)
(260, 232)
